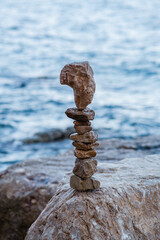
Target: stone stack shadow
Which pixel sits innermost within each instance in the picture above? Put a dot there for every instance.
(85, 141)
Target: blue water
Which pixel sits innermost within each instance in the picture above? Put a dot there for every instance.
(120, 39)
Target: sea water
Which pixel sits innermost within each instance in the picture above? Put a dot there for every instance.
(120, 39)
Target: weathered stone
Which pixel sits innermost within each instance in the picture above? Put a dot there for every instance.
(79, 76)
(89, 137)
(25, 189)
(22, 184)
(85, 154)
(85, 168)
(85, 146)
(80, 115)
(82, 129)
(126, 207)
(78, 123)
(83, 184)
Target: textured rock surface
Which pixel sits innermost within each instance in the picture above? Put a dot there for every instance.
(82, 129)
(84, 184)
(84, 146)
(80, 115)
(89, 137)
(25, 188)
(84, 154)
(78, 123)
(85, 168)
(126, 207)
(22, 186)
(79, 76)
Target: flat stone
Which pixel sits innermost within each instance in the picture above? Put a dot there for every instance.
(85, 146)
(85, 154)
(80, 115)
(82, 129)
(125, 207)
(78, 123)
(85, 168)
(83, 184)
(79, 76)
(89, 137)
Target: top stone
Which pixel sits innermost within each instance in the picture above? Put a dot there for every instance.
(79, 76)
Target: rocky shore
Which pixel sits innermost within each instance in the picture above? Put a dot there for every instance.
(125, 207)
(26, 187)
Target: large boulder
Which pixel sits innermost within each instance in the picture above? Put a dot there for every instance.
(26, 187)
(126, 207)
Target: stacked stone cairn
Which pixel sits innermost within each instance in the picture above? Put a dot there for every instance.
(80, 77)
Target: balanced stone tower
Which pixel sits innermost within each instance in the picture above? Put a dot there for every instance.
(79, 76)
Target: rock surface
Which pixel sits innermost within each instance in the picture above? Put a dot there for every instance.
(125, 207)
(84, 146)
(85, 154)
(85, 168)
(82, 129)
(88, 137)
(80, 115)
(84, 184)
(79, 76)
(78, 123)
(26, 187)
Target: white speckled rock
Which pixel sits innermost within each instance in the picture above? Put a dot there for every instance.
(126, 207)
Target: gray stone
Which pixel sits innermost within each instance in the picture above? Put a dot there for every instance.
(50, 135)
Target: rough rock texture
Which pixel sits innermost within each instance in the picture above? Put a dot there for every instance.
(22, 186)
(79, 76)
(126, 207)
(84, 184)
(89, 137)
(84, 146)
(82, 129)
(80, 115)
(84, 154)
(78, 123)
(85, 168)
(25, 188)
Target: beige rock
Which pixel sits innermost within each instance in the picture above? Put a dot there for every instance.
(80, 115)
(79, 76)
(78, 123)
(126, 207)
(85, 146)
(85, 168)
(23, 183)
(82, 129)
(85, 154)
(89, 137)
(84, 184)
